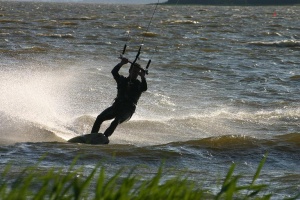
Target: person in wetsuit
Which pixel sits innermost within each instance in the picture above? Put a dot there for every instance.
(129, 92)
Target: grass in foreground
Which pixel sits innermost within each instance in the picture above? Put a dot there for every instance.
(57, 184)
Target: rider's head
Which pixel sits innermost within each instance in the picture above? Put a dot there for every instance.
(134, 70)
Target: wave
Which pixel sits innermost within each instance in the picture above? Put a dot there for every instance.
(12, 21)
(14, 130)
(126, 142)
(33, 49)
(217, 130)
(149, 34)
(282, 43)
(288, 143)
(221, 146)
(70, 36)
(181, 22)
(82, 18)
(295, 77)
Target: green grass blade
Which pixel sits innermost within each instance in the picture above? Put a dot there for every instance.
(257, 173)
(100, 184)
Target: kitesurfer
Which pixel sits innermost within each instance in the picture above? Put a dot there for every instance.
(129, 91)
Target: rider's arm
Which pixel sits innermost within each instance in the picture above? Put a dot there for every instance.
(115, 70)
(144, 86)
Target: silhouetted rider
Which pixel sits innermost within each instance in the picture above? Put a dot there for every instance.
(129, 92)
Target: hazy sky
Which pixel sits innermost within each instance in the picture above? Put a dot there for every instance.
(105, 1)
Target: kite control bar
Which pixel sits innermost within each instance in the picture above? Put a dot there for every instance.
(136, 57)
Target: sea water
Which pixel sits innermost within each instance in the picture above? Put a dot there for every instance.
(223, 88)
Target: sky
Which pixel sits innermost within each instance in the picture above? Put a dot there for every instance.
(105, 1)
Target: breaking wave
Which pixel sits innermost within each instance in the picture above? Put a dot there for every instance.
(282, 43)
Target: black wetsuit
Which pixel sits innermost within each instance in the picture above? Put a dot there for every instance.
(124, 105)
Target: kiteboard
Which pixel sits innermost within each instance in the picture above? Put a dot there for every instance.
(92, 138)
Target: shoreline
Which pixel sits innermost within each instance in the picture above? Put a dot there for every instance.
(230, 3)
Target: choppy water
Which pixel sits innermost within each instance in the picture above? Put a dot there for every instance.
(223, 87)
